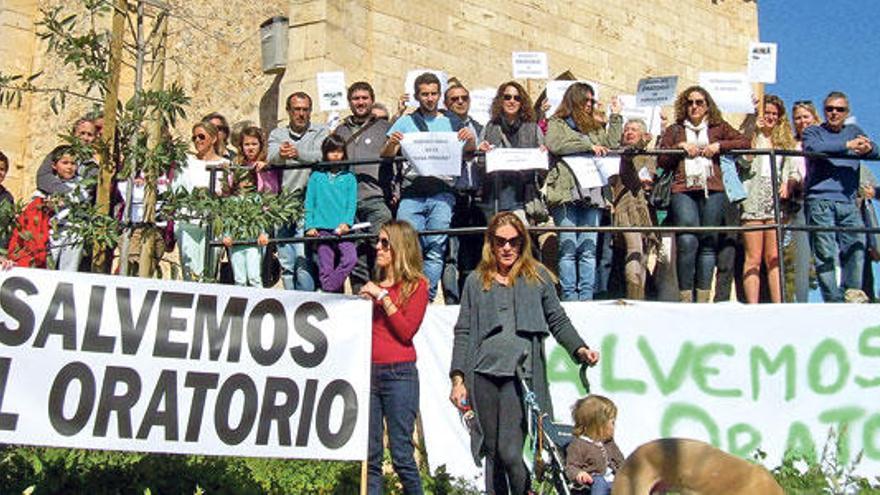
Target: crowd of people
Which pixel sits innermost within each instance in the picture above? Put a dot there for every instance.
(688, 189)
(496, 277)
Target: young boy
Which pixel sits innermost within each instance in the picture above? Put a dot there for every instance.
(64, 248)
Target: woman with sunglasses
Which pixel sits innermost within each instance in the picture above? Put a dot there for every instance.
(400, 297)
(698, 198)
(803, 115)
(512, 125)
(508, 307)
(575, 128)
(191, 237)
(772, 131)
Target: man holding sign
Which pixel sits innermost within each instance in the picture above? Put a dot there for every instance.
(427, 197)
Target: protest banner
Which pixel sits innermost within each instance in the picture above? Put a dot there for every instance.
(768, 377)
(592, 171)
(481, 104)
(94, 361)
(730, 90)
(433, 153)
(762, 62)
(516, 159)
(656, 91)
(530, 65)
(331, 91)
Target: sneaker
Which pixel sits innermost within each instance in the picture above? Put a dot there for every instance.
(855, 296)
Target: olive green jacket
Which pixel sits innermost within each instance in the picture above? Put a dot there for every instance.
(561, 186)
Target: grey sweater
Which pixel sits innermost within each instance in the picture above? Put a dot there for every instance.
(373, 180)
(308, 145)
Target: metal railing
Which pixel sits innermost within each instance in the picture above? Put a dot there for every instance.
(778, 225)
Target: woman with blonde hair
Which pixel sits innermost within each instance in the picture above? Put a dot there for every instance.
(400, 297)
(192, 237)
(508, 307)
(574, 128)
(773, 131)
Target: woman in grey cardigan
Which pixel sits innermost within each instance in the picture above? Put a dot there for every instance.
(512, 125)
(497, 325)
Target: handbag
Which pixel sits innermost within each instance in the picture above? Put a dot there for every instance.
(733, 186)
(661, 193)
(533, 202)
(270, 269)
(869, 215)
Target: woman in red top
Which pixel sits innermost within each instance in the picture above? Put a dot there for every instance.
(400, 297)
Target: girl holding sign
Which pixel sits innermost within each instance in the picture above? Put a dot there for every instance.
(400, 297)
(575, 129)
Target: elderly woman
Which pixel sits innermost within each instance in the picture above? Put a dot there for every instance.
(698, 198)
(512, 125)
(575, 129)
(508, 307)
(400, 297)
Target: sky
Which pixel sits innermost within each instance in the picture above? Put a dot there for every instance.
(826, 45)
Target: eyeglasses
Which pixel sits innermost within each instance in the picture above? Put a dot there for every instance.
(508, 97)
(515, 242)
(801, 103)
(383, 243)
(199, 137)
(832, 108)
(696, 103)
(463, 99)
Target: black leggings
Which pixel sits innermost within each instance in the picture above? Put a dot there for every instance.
(500, 410)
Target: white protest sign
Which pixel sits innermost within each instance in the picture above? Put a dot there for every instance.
(411, 76)
(481, 104)
(433, 153)
(530, 65)
(656, 91)
(762, 62)
(556, 91)
(740, 377)
(593, 171)
(516, 159)
(730, 90)
(331, 91)
(630, 110)
(93, 361)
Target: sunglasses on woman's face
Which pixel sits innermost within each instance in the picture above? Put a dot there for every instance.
(515, 241)
(696, 103)
(383, 243)
(199, 137)
(508, 97)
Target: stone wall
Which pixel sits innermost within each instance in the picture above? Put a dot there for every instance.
(612, 43)
(214, 51)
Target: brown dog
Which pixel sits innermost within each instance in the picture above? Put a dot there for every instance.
(690, 467)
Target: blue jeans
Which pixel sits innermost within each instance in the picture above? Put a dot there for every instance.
(394, 397)
(297, 269)
(696, 252)
(577, 250)
(246, 265)
(430, 213)
(827, 246)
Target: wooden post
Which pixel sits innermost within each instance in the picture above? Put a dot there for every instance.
(107, 167)
(146, 267)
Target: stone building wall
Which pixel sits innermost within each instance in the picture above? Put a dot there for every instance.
(214, 51)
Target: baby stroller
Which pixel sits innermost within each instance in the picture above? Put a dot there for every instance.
(549, 440)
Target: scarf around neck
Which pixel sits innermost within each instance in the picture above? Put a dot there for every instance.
(697, 170)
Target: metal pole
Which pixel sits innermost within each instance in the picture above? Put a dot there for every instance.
(138, 87)
(777, 218)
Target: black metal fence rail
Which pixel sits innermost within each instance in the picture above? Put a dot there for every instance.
(777, 224)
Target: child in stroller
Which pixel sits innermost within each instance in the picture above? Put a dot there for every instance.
(593, 457)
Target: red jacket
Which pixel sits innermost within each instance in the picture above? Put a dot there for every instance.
(29, 244)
